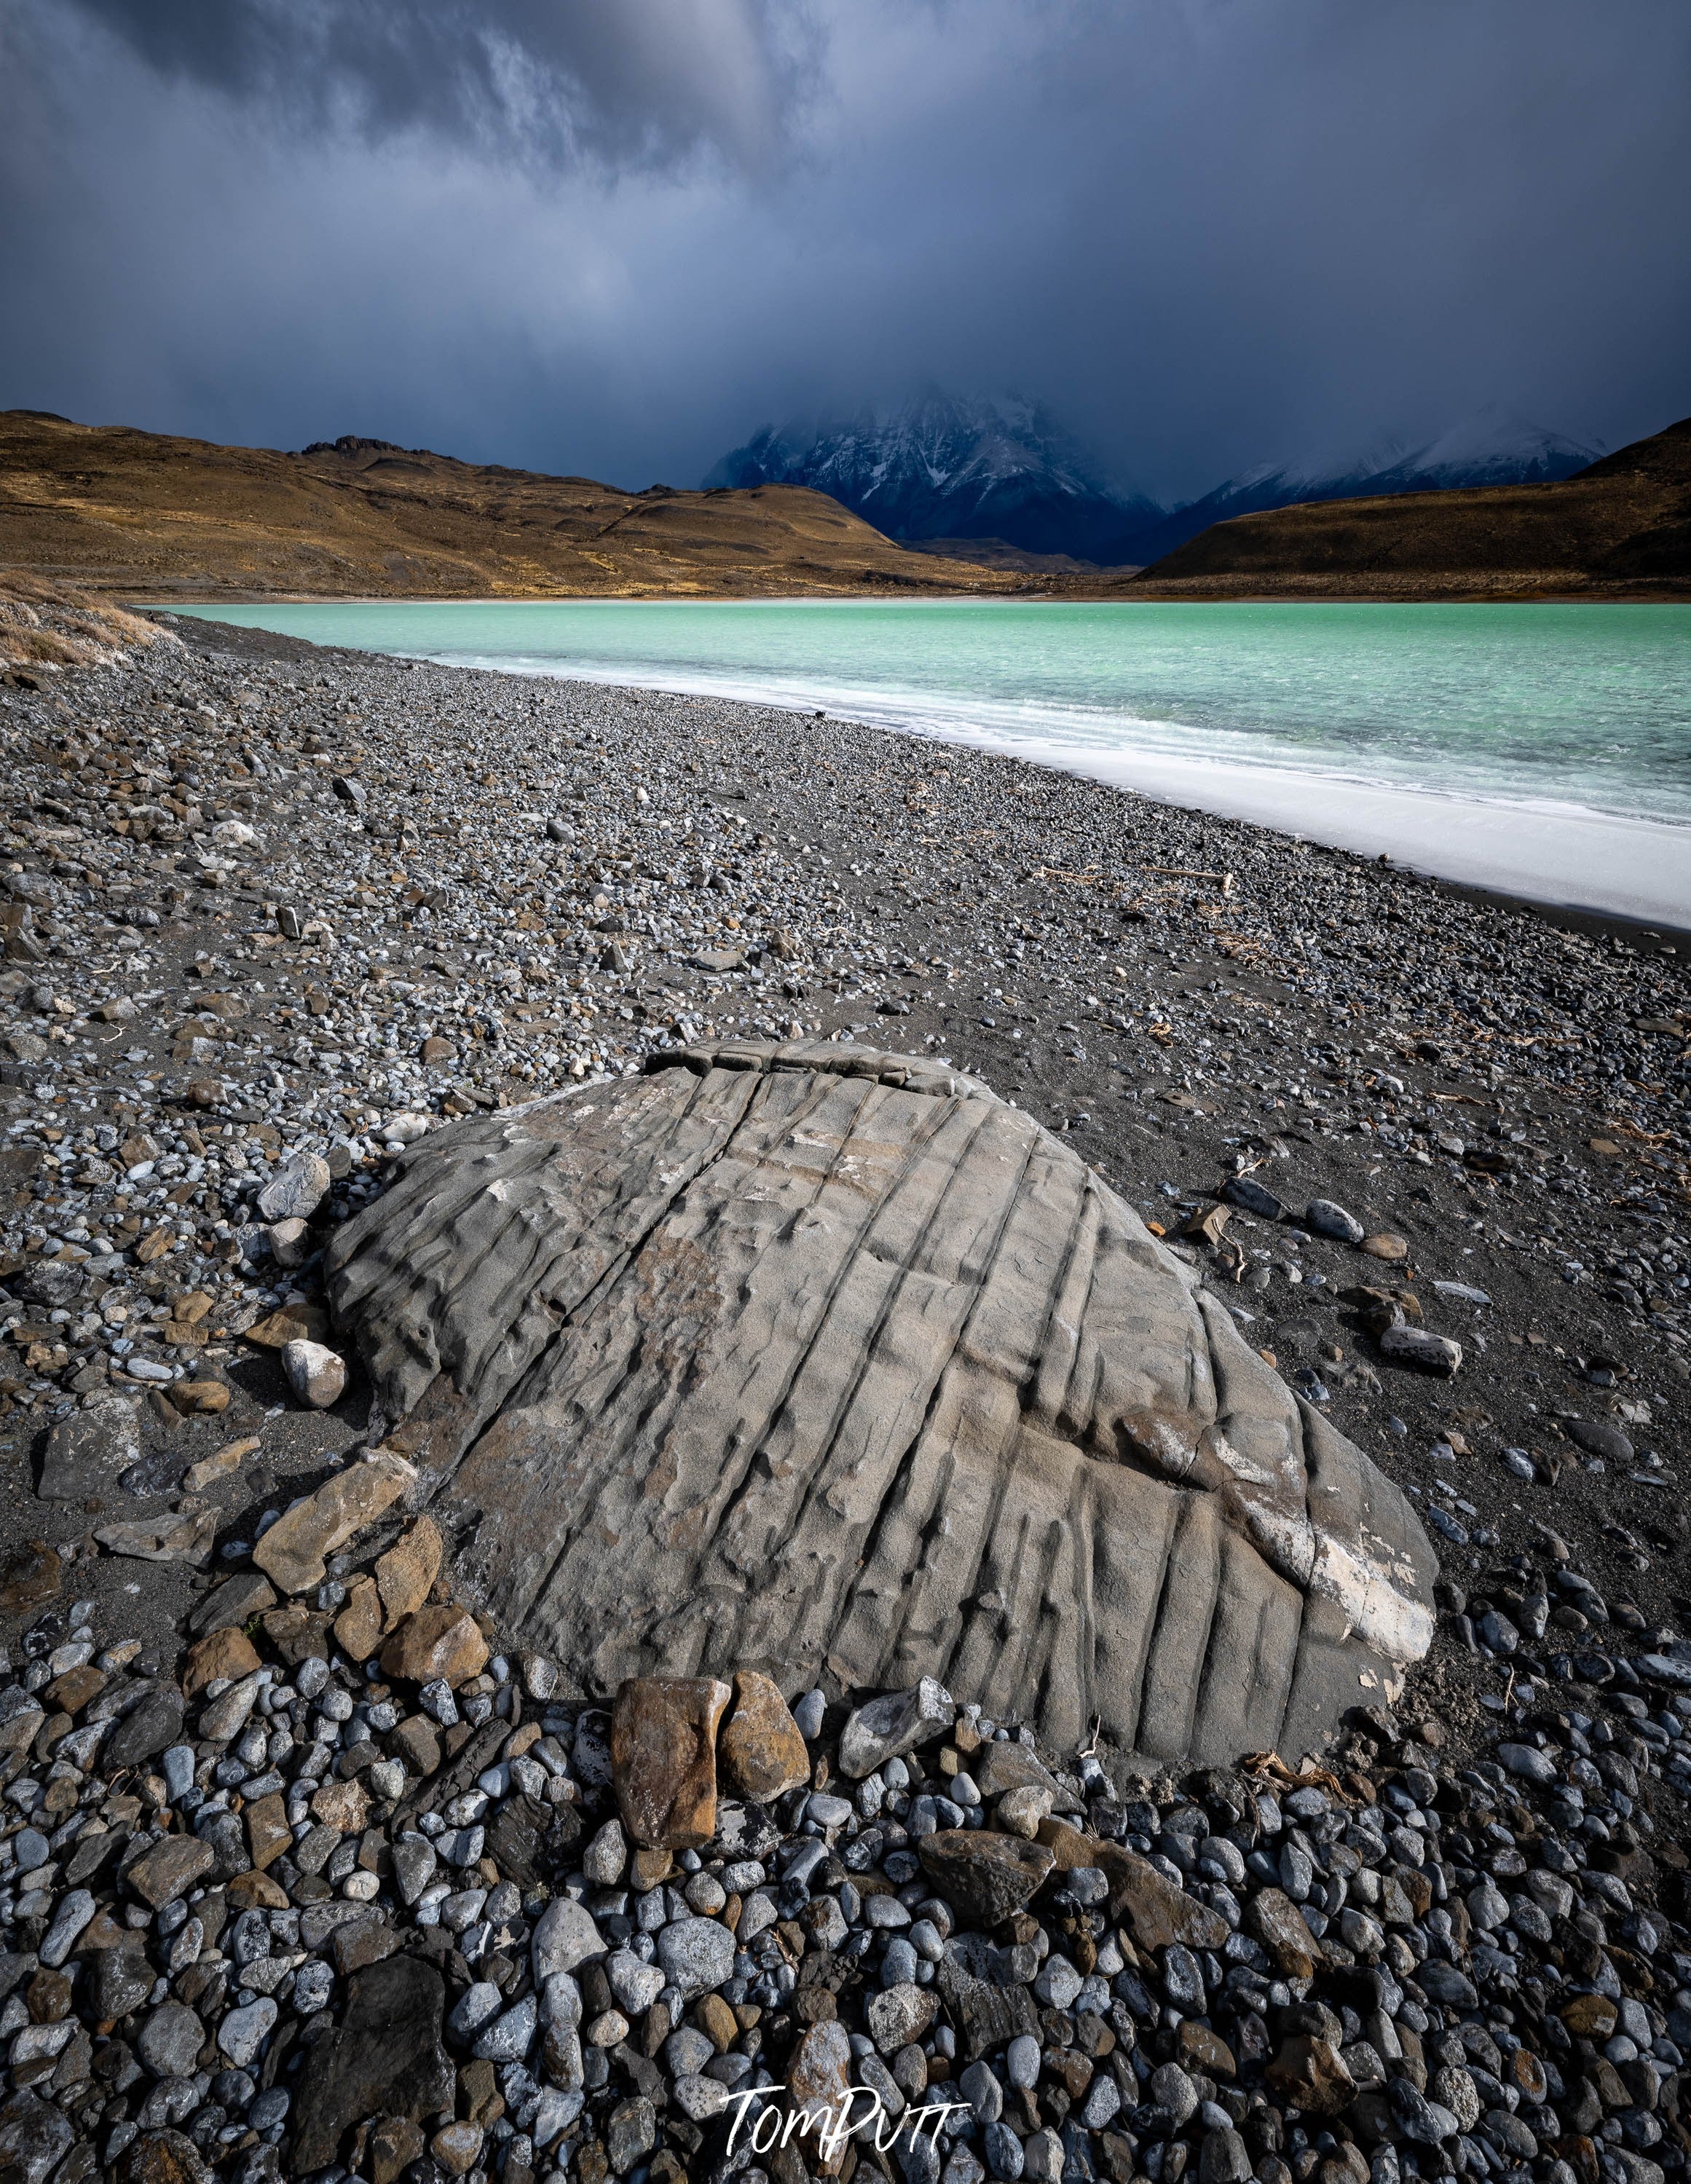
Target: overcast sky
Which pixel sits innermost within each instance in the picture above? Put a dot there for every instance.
(616, 236)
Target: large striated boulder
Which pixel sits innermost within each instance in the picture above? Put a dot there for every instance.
(829, 1361)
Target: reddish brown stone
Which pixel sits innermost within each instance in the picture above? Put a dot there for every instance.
(663, 1756)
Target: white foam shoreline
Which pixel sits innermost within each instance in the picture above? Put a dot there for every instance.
(1562, 856)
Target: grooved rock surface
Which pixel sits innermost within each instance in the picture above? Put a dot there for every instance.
(829, 1361)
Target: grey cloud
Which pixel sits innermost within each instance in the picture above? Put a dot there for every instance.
(623, 82)
(617, 236)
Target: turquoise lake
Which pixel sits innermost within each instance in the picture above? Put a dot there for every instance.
(1542, 717)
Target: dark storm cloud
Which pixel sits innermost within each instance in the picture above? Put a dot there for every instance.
(616, 235)
(555, 79)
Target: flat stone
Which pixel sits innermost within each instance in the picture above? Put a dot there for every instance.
(227, 1653)
(441, 1644)
(987, 1877)
(1309, 2073)
(777, 1480)
(238, 1600)
(170, 2042)
(147, 1729)
(159, 1876)
(697, 1954)
(341, 1805)
(986, 2016)
(268, 1832)
(888, 1727)
(293, 1322)
(997, 1768)
(663, 1739)
(29, 1575)
(293, 1552)
(819, 2076)
(228, 1714)
(221, 1463)
(898, 2014)
(359, 1626)
(405, 1574)
(185, 1535)
(1394, 1249)
(760, 1753)
(385, 2059)
(1251, 1197)
(564, 1937)
(316, 1373)
(1274, 1920)
(1156, 1913)
(1597, 1439)
(84, 1453)
(297, 1186)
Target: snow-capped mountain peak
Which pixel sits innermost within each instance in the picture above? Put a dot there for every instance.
(942, 465)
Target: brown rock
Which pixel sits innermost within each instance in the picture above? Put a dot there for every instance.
(224, 1653)
(393, 2145)
(170, 1870)
(298, 1634)
(160, 2156)
(1386, 1246)
(717, 2021)
(997, 1768)
(406, 1572)
(342, 1805)
(1274, 1920)
(294, 1322)
(441, 1641)
(1590, 2017)
(819, 2079)
(415, 1742)
(663, 1758)
(1154, 1912)
(256, 1892)
(651, 1867)
(987, 1876)
(1199, 2048)
(73, 1690)
(205, 1399)
(1309, 2073)
(358, 1627)
(294, 1551)
(268, 1834)
(220, 1464)
(760, 1752)
(29, 1577)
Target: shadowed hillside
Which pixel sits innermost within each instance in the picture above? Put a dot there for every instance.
(1620, 529)
(148, 514)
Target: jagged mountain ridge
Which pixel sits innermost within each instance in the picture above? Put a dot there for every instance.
(941, 467)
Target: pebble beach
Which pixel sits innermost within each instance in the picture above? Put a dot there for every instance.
(307, 1868)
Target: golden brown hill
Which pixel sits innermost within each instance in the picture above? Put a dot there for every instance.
(151, 516)
(1619, 530)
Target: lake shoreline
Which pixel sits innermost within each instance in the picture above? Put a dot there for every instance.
(1221, 728)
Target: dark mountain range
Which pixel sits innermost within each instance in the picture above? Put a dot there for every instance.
(982, 472)
(940, 467)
